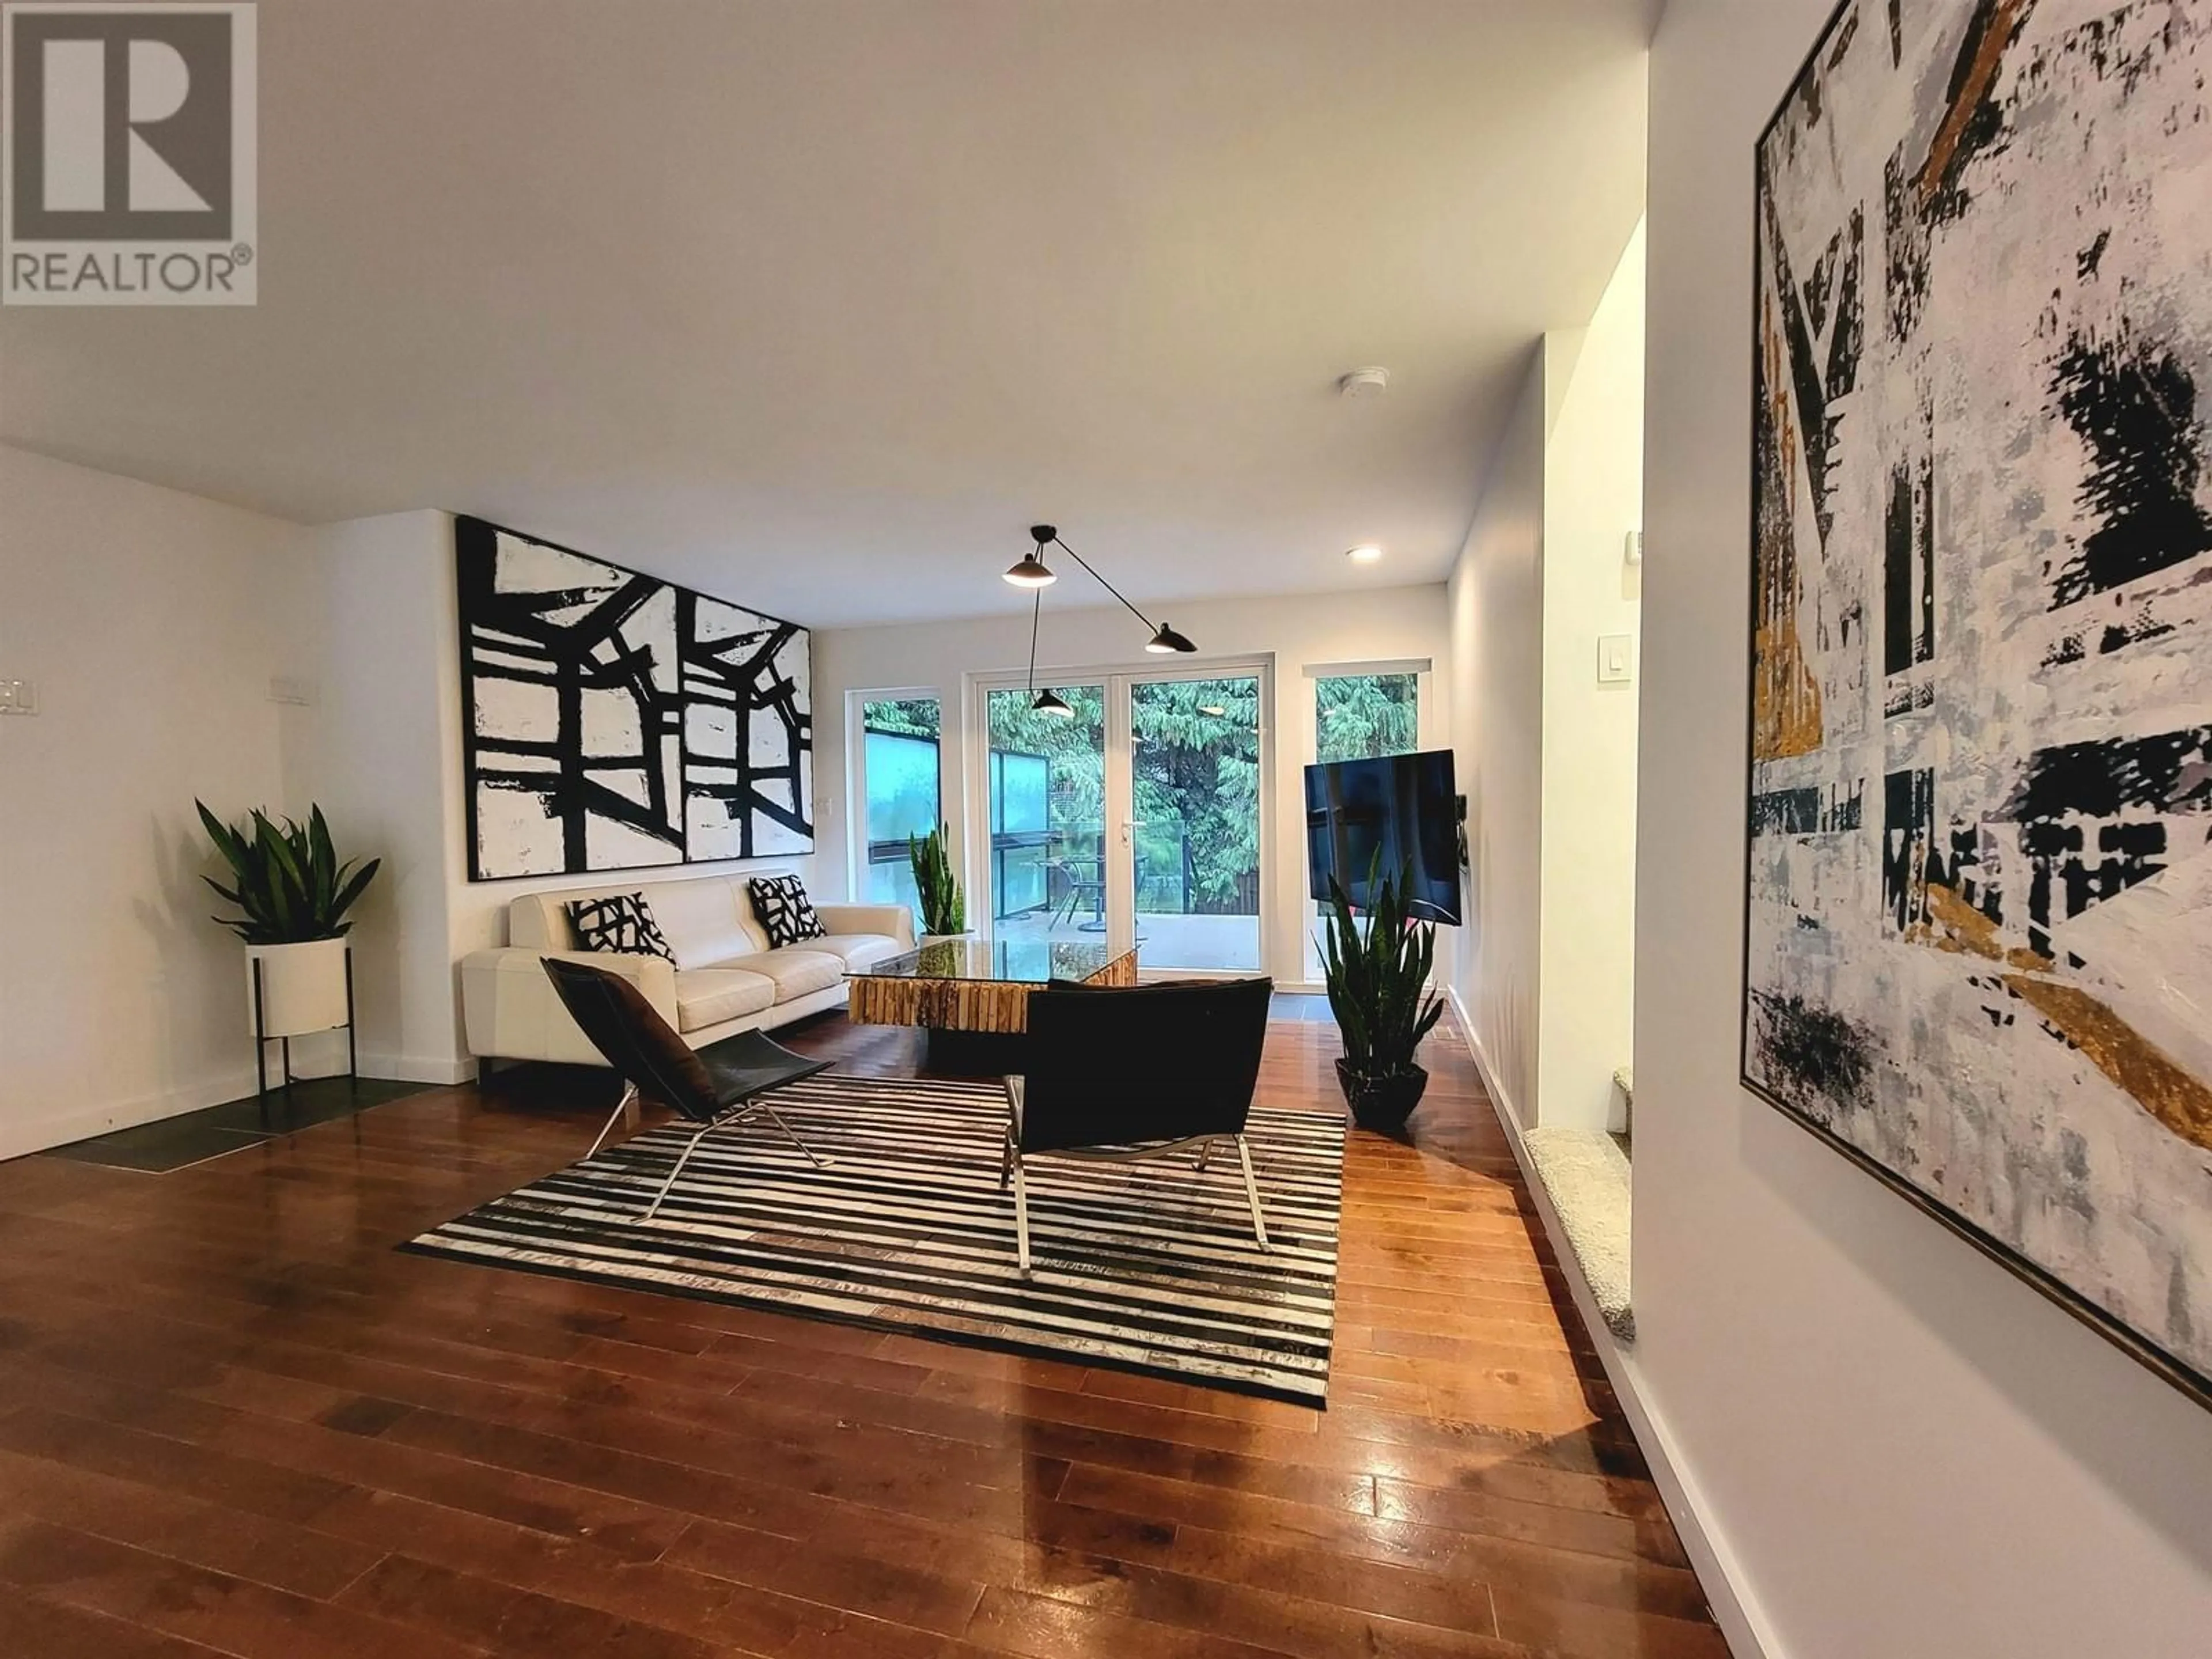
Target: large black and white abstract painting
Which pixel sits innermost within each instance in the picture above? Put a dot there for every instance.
(1978, 946)
(612, 720)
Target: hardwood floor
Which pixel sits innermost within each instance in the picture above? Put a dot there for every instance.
(233, 1419)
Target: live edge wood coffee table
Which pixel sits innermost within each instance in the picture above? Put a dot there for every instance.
(972, 994)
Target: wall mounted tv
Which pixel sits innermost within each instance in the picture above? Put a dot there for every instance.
(1405, 807)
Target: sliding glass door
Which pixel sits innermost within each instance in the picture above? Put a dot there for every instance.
(1136, 818)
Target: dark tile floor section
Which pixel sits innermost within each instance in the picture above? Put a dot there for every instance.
(175, 1143)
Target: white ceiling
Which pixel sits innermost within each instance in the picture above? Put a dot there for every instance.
(819, 305)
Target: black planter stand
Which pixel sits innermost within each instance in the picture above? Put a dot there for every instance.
(1385, 1102)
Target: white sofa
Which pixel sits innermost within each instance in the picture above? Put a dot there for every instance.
(725, 978)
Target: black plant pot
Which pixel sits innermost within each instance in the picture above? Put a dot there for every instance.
(1382, 1103)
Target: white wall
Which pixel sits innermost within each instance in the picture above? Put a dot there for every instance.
(1900, 1448)
(152, 623)
(374, 638)
(1545, 974)
(142, 616)
(382, 639)
(1381, 623)
(1593, 498)
(1497, 601)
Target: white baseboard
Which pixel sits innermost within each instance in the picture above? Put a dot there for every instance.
(22, 1136)
(1749, 1634)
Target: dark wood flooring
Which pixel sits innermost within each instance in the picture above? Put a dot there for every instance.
(233, 1419)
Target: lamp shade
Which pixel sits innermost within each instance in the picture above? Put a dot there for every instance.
(1031, 572)
(1166, 641)
(1048, 703)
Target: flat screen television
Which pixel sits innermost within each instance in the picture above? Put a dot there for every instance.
(1405, 807)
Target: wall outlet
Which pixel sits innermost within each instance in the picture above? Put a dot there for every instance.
(1616, 658)
(18, 697)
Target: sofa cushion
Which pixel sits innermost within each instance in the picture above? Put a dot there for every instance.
(708, 996)
(699, 916)
(796, 972)
(856, 950)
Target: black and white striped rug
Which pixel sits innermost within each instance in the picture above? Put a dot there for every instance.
(1145, 1265)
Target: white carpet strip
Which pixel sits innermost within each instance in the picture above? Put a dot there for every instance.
(1146, 1266)
(1588, 1177)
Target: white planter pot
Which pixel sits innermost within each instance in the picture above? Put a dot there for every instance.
(303, 987)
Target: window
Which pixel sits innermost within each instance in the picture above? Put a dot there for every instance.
(1362, 716)
(900, 764)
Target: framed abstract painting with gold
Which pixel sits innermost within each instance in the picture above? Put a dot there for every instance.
(1978, 919)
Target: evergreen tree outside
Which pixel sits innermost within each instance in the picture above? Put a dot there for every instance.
(1361, 716)
(903, 717)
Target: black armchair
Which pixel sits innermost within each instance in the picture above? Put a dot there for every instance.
(714, 1087)
(1136, 1072)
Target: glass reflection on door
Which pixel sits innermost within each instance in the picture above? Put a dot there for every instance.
(1194, 830)
(1047, 784)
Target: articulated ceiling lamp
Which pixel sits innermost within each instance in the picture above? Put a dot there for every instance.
(1042, 703)
(1031, 572)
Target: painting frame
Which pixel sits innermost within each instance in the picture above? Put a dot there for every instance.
(477, 539)
(2192, 1382)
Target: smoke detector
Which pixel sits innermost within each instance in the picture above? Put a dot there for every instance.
(1364, 383)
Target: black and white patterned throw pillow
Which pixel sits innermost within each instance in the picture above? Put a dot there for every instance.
(620, 921)
(786, 913)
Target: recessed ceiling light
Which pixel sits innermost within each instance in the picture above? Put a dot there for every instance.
(1366, 554)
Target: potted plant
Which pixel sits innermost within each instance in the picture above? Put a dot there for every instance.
(1377, 968)
(944, 907)
(286, 880)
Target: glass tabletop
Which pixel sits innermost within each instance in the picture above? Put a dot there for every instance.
(1014, 962)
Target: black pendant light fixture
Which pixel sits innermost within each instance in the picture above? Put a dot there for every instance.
(1033, 571)
(1047, 701)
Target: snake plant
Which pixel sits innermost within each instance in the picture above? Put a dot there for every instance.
(944, 908)
(1378, 968)
(285, 876)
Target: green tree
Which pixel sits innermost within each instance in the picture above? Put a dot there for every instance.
(903, 717)
(1362, 715)
(1197, 776)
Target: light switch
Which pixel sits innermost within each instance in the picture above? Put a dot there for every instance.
(18, 697)
(1616, 658)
